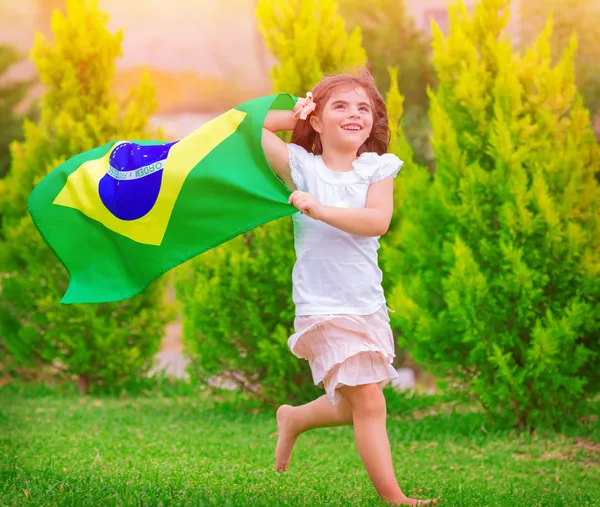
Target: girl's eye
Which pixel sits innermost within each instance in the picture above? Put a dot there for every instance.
(365, 109)
(338, 106)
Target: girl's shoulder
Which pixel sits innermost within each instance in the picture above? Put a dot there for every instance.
(375, 167)
(299, 157)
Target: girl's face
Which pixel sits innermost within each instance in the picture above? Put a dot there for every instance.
(346, 119)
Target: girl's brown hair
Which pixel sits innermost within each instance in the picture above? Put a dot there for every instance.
(379, 139)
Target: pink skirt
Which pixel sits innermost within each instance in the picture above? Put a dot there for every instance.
(345, 350)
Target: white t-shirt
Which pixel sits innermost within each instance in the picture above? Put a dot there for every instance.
(336, 272)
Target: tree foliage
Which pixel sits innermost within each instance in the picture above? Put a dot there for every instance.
(495, 262)
(572, 17)
(391, 39)
(309, 40)
(11, 96)
(108, 342)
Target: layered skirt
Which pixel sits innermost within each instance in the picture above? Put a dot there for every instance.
(345, 350)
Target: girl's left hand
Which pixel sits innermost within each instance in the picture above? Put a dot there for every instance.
(307, 204)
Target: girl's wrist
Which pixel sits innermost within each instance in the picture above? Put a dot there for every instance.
(322, 213)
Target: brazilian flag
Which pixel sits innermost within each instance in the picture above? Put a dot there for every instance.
(121, 215)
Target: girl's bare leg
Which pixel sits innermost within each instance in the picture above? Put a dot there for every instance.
(292, 421)
(369, 417)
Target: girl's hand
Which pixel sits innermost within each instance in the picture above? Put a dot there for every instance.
(307, 204)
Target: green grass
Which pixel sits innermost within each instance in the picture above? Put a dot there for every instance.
(61, 450)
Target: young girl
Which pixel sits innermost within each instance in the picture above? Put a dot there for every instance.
(343, 180)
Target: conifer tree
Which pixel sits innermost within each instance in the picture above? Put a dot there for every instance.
(496, 259)
(308, 39)
(395, 105)
(579, 17)
(103, 343)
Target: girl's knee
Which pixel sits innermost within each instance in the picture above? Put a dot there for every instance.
(367, 399)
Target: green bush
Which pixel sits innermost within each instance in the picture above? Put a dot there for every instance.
(103, 343)
(575, 16)
(495, 259)
(238, 315)
(308, 39)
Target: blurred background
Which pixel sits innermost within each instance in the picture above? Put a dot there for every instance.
(216, 58)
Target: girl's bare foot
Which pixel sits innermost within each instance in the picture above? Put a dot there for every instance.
(287, 438)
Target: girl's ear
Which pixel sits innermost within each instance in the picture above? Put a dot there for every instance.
(315, 123)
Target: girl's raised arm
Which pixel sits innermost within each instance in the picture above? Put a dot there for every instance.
(275, 149)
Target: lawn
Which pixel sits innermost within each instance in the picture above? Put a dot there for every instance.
(203, 450)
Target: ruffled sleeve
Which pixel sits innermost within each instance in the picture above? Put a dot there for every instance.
(389, 165)
(299, 160)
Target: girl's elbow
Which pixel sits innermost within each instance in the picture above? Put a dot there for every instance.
(383, 231)
(382, 227)
(380, 230)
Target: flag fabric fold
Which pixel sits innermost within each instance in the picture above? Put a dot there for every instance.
(121, 215)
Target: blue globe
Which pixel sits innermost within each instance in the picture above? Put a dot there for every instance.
(131, 186)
